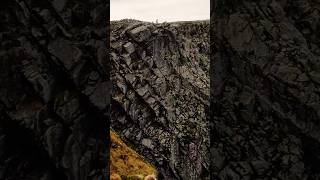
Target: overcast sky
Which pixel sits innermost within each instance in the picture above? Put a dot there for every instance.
(163, 10)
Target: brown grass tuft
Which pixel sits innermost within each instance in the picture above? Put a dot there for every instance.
(128, 163)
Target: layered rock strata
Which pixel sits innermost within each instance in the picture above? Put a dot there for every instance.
(161, 93)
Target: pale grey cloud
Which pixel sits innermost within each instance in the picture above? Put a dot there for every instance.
(163, 10)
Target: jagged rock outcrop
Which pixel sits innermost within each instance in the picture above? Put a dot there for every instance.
(55, 90)
(265, 106)
(161, 94)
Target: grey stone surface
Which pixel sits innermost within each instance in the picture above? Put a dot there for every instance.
(161, 94)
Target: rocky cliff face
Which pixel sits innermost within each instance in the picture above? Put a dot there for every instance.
(265, 78)
(265, 90)
(161, 94)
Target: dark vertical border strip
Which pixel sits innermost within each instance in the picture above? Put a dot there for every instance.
(110, 96)
(54, 69)
(265, 84)
(212, 3)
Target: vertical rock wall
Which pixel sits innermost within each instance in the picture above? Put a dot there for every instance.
(161, 92)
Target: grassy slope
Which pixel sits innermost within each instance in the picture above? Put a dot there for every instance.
(126, 162)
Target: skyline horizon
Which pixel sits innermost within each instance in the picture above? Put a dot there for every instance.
(161, 22)
(165, 10)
